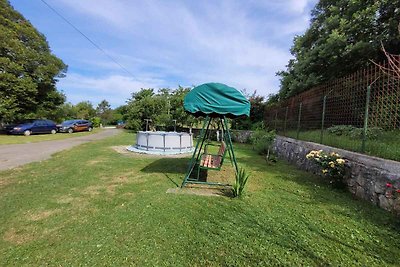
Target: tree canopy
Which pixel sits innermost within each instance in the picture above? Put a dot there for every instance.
(343, 36)
(28, 69)
(256, 119)
(162, 107)
(104, 112)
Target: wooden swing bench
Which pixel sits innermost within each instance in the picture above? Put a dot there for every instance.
(213, 101)
(212, 161)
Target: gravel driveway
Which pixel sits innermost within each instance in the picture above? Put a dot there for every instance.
(19, 154)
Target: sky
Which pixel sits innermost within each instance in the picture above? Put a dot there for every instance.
(164, 44)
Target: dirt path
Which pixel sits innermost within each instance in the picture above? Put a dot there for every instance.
(15, 155)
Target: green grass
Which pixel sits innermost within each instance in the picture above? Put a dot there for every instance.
(21, 139)
(386, 146)
(93, 206)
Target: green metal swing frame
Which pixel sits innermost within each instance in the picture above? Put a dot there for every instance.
(196, 157)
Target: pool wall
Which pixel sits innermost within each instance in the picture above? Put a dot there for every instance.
(163, 142)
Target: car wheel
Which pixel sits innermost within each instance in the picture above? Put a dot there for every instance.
(27, 132)
(70, 130)
(90, 129)
(53, 131)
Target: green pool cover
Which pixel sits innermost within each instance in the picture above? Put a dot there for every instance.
(215, 100)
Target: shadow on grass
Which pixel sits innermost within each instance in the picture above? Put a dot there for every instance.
(175, 169)
(169, 167)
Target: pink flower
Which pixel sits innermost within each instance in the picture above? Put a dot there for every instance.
(398, 190)
(389, 185)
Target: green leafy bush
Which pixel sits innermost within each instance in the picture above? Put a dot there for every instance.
(373, 133)
(96, 121)
(262, 141)
(240, 182)
(257, 126)
(341, 130)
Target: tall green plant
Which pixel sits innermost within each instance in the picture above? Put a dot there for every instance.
(262, 141)
(240, 182)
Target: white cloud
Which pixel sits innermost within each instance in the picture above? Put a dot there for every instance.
(111, 11)
(297, 5)
(114, 88)
(166, 43)
(286, 6)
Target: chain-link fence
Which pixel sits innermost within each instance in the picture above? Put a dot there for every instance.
(359, 112)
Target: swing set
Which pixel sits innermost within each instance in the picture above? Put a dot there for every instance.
(215, 102)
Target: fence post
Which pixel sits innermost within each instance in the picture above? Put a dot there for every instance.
(323, 119)
(298, 121)
(364, 139)
(284, 125)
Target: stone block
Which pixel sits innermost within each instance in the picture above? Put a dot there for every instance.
(385, 203)
(351, 182)
(360, 192)
(360, 179)
(380, 187)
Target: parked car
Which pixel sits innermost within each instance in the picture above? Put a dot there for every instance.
(71, 126)
(32, 126)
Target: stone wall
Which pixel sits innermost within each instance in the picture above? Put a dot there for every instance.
(241, 136)
(366, 176)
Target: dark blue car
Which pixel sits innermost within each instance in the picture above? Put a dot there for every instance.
(32, 126)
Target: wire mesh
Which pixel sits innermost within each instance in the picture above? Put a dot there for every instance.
(302, 116)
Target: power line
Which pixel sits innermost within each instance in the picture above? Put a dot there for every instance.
(87, 38)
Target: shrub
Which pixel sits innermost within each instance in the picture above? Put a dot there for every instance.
(262, 141)
(96, 121)
(373, 133)
(257, 126)
(240, 182)
(134, 125)
(332, 166)
(341, 130)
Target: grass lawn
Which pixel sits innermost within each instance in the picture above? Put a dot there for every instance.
(386, 146)
(93, 206)
(21, 139)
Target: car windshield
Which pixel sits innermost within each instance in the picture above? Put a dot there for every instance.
(26, 121)
(69, 122)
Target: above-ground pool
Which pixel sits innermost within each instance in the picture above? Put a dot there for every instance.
(162, 143)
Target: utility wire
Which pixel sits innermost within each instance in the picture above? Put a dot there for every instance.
(87, 38)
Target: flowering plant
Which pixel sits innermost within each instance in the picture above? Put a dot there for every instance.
(392, 191)
(332, 165)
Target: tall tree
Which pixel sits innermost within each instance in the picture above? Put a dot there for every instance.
(255, 121)
(84, 110)
(104, 111)
(28, 69)
(343, 37)
(67, 111)
(139, 107)
(162, 108)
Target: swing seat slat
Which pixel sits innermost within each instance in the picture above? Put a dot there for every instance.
(211, 161)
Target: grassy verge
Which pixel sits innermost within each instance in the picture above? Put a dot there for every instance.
(386, 146)
(21, 139)
(94, 206)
